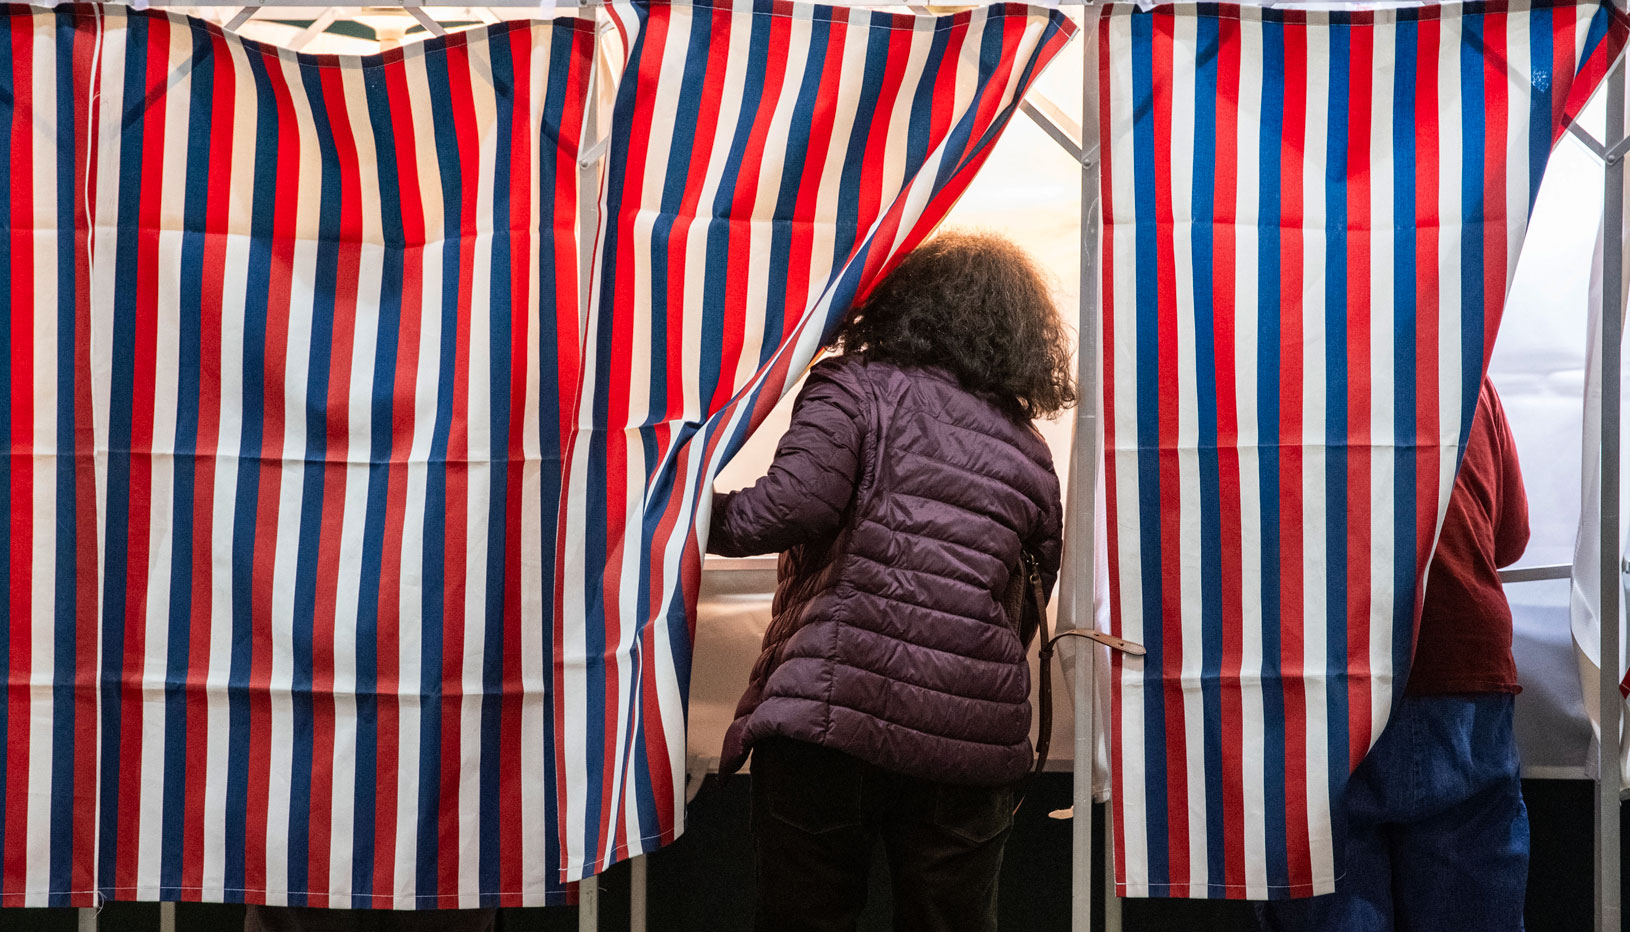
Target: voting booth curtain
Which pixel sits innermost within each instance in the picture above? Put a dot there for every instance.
(1311, 220)
(357, 450)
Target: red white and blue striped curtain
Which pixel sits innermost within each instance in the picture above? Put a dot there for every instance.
(49, 643)
(282, 440)
(1310, 222)
(353, 553)
(768, 162)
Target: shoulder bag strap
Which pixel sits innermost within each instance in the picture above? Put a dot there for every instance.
(1036, 601)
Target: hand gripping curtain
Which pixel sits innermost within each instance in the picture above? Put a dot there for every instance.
(1310, 223)
(282, 425)
(768, 162)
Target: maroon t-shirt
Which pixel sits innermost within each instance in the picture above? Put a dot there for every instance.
(1464, 644)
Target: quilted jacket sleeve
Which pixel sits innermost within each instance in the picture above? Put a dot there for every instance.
(810, 482)
(1047, 542)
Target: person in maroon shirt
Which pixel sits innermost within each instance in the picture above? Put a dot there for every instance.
(1435, 833)
(1464, 643)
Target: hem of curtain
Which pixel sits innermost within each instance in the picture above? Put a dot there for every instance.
(1226, 891)
(10, 899)
(159, 893)
(578, 869)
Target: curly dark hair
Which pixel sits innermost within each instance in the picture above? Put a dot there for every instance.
(977, 306)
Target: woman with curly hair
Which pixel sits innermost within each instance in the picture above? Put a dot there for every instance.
(891, 698)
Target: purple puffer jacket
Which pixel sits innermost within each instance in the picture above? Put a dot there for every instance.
(901, 501)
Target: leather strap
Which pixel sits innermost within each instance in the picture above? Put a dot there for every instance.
(1108, 640)
(1044, 680)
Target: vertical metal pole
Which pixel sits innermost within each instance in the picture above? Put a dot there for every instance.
(1112, 903)
(1081, 824)
(636, 894)
(1607, 787)
(87, 919)
(1084, 464)
(166, 917)
(588, 905)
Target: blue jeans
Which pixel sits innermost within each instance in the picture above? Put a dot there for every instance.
(1437, 834)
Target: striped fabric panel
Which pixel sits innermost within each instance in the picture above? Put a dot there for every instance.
(48, 557)
(358, 538)
(1310, 222)
(282, 462)
(768, 162)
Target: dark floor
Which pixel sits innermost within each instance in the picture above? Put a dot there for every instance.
(702, 882)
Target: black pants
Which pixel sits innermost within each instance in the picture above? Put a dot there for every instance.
(304, 919)
(818, 814)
